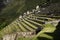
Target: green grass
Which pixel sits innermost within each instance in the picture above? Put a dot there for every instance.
(49, 28)
(21, 38)
(11, 23)
(24, 24)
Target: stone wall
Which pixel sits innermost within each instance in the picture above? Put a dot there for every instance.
(9, 37)
(16, 35)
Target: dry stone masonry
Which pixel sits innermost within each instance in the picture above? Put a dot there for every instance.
(9, 37)
(14, 36)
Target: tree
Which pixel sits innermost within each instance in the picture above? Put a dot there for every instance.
(2, 5)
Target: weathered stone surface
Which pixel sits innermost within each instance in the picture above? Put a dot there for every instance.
(9, 37)
(14, 36)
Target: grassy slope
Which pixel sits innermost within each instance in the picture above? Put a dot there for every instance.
(11, 12)
(49, 28)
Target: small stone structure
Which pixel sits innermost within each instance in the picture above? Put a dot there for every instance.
(26, 34)
(16, 35)
(9, 37)
(55, 22)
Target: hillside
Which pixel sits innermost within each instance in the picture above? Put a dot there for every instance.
(24, 16)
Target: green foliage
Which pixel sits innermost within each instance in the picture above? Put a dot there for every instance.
(10, 16)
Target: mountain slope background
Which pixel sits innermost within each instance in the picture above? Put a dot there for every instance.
(13, 10)
(18, 7)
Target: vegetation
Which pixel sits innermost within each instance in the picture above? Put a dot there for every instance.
(10, 21)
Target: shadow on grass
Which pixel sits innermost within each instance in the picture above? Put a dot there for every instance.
(42, 38)
(55, 34)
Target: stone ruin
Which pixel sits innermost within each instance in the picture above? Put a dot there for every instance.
(9, 37)
(14, 36)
